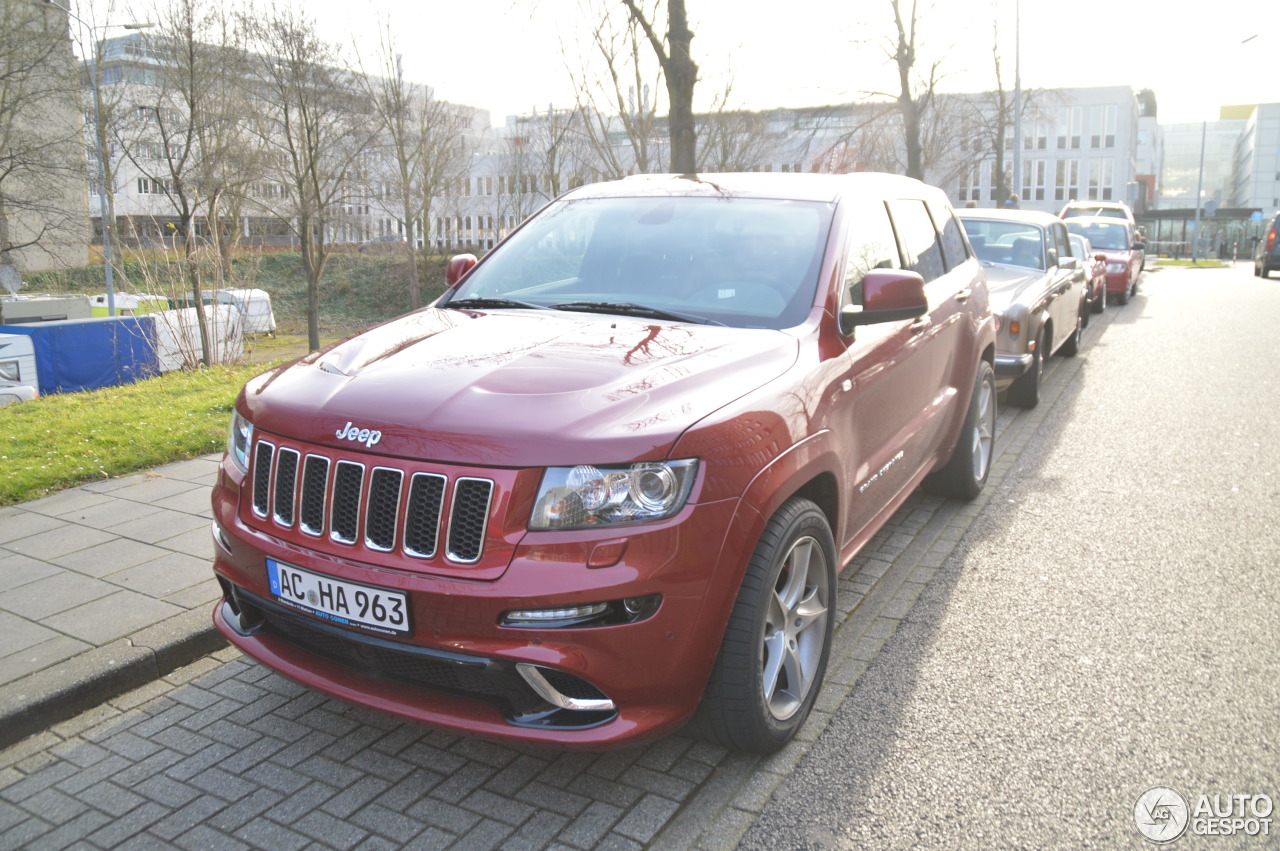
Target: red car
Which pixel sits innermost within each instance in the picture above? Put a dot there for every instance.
(1095, 272)
(604, 485)
(1118, 242)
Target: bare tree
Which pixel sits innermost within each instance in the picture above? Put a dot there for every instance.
(618, 99)
(736, 139)
(540, 150)
(992, 115)
(316, 127)
(988, 120)
(521, 188)
(680, 72)
(188, 137)
(422, 150)
(41, 136)
(915, 95)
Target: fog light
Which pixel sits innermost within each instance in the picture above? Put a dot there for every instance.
(564, 616)
(641, 607)
(609, 613)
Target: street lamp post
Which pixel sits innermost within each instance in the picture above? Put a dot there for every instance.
(1195, 229)
(1017, 99)
(101, 152)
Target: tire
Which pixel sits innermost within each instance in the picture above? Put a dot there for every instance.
(775, 649)
(1266, 271)
(1025, 391)
(1071, 347)
(1100, 303)
(966, 473)
(1122, 297)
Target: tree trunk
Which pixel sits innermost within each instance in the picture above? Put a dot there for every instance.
(682, 74)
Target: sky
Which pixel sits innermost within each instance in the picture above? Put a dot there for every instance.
(509, 56)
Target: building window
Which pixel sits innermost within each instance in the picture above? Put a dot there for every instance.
(152, 186)
(1074, 124)
(971, 183)
(1035, 135)
(1106, 178)
(1033, 180)
(1067, 180)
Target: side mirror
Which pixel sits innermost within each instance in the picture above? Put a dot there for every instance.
(1139, 246)
(1101, 257)
(1069, 263)
(888, 295)
(458, 268)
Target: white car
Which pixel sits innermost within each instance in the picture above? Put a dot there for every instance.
(17, 369)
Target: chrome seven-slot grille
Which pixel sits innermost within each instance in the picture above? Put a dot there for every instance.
(401, 511)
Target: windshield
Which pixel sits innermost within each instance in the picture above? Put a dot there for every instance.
(743, 262)
(1085, 212)
(1111, 237)
(1010, 243)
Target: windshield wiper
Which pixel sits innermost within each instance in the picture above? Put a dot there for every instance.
(630, 309)
(492, 304)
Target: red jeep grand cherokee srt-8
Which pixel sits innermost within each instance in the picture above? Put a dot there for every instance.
(604, 484)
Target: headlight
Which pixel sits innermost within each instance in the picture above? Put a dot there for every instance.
(9, 371)
(1117, 268)
(239, 441)
(585, 496)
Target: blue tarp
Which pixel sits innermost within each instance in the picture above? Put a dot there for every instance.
(85, 354)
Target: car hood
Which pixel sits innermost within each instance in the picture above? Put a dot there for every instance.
(516, 387)
(1012, 284)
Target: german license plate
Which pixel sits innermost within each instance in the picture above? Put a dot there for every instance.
(348, 603)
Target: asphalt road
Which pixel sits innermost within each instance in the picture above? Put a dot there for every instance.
(1111, 622)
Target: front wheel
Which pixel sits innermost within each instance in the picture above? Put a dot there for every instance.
(1100, 300)
(774, 654)
(1025, 391)
(1071, 347)
(970, 465)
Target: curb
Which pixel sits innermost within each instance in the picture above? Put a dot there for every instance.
(62, 691)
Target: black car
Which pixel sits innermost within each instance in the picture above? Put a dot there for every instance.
(1266, 253)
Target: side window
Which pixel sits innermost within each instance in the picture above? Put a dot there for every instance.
(953, 250)
(1061, 242)
(871, 245)
(921, 250)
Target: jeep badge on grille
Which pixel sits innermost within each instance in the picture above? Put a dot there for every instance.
(358, 435)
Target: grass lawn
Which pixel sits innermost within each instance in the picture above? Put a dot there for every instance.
(67, 439)
(1192, 264)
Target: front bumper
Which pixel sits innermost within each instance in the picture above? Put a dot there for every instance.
(461, 670)
(1012, 366)
(1118, 282)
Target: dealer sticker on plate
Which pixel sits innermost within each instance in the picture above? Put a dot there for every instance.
(363, 606)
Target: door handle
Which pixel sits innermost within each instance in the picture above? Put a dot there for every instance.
(920, 324)
(964, 295)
